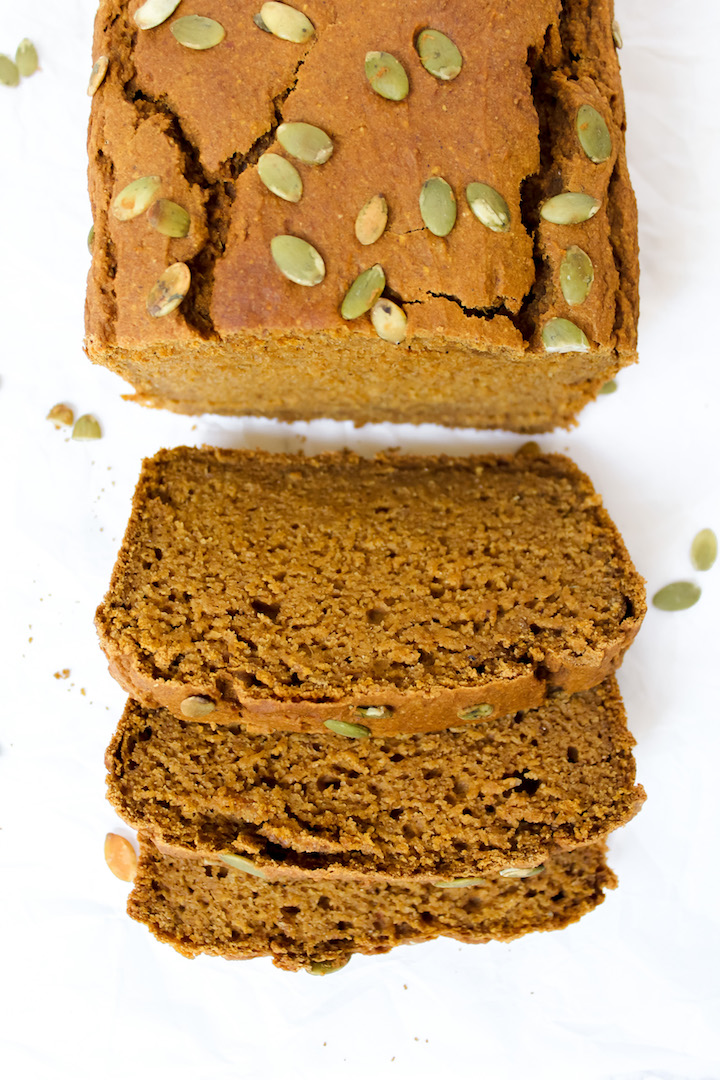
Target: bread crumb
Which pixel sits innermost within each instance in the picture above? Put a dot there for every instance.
(64, 674)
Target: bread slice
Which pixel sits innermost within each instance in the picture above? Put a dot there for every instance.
(403, 594)
(406, 808)
(211, 909)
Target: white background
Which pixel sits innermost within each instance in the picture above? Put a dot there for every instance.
(632, 991)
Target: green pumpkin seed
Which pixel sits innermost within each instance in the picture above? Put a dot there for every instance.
(437, 206)
(439, 55)
(488, 206)
(239, 863)
(305, 142)
(281, 177)
(154, 12)
(617, 34)
(26, 58)
(197, 32)
(460, 883)
(197, 706)
(169, 218)
(563, 336)
(169, 291)
(86, 427)
(327, 967)
(678, 596)
(91, 239)
(9, 73)
(703, 552)
(364, 291)
(371, 220)
(61, 414)
(593, 134)
(608, 388)
(286, 22)
(390, 321)
(569, 208)
(297, 260)
(350, 731)
(136, 197)
(374, 712)
(475, 712)
(576, 275)
(386, 76)
(520, 872)
(98, 73)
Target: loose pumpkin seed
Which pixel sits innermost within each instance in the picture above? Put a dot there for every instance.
(120, 857)
(438, 207)
(91, 239)
(593, 134)
(364, 291)
(520, 872)
(240, 863)
(439, 55)
(678, 596)
(154, 12)
(460, 883)
(26, 58)
(563, 336)
(169, 218)
(386, 76)
(617, 34)
(390, 321)
(197, 32)
(197, 706)
(576, 275)
(350, 731)
(281, 177)
(371, 220)
(327, 967)
(9, 73)
(305, 142)
(98, 73)
(475, 712)
(86, 427)
(61, 414)
(374, 712)
(286, 22)
(488, 206)
(136, 197)
(297, 260)
(169, 291)
(703, 552)
(569, 208)
(609, 387)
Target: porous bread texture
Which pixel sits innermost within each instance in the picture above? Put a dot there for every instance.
(246, 340)
(211, 909)
(412, 808)
(290, 591)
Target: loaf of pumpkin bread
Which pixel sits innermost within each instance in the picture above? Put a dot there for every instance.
(421, 213)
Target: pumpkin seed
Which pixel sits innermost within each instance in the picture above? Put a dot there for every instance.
(257, 19)
(390, 321)
(297, 260)
(91, 239)
(563, 336)
(617, 34)
(86, 427)
(703, 552)
(371, 220)
(169, 291)
(26, 58)
(61, 414)
(374, 712)
(327, 967)
(386, 76)
(305, 142)
(460, 883)
(593, 134)
(569, 208)
(609, 387)
(197, 706)
(520, 872)
(678, 596)
(439, 55)
(120, 857)
(364, 291)
(136, 197)
(576, 275)
(350, 731)
(475, 712)
(286, 22)
(488, 206)
(169, 218)
(154, 12)
(197, 32)
(240, 863)
(9, 74)
(438, 207)
(281, 177)
(98, 73)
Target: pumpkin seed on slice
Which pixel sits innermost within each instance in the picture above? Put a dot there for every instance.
(678, 596)
(563, 336)
(488, 206)
(136, 197)
(120, 857)
(569, 208)
(703, 552)
(9, 73)
(364, 291)
(297, 260)
(617, 34)
(609, 387)
(257, 19)
(374, 712)
(386, 76)
(327, 967)
(439, 55)
(390, 321)
(305, 142)
(281, 177)
(169, 291)
(154, 12)
(61, 414)
(197, 706)
(371, 220)
(246, 865)
(169, 218)
(438, 207)
(197, 32)
(520, 872)
(98, 73)
(26, 58)
(350, 731)
(593, 134)
(460, 883)
(576, 275)
(475, 712)
(91, 239)
(86, 427)
(286, 22)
